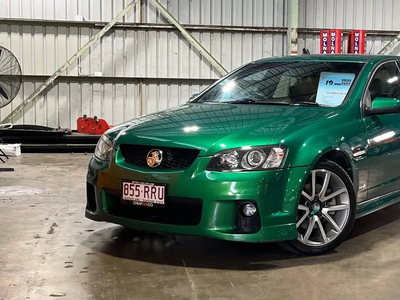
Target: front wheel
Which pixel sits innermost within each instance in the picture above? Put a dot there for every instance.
(326, 211)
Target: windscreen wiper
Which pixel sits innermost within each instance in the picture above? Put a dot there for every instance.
(252, 101)
(304, 103)
(243, 101)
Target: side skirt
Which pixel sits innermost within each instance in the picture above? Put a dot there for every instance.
(372, 205)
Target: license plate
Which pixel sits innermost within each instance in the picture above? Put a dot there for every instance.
(143, 194)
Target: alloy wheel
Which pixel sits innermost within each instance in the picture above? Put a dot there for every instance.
(324, 209)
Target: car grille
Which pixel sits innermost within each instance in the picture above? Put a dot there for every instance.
(178, 211)
(173, 158)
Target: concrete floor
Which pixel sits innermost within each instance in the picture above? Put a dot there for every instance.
(49, 250)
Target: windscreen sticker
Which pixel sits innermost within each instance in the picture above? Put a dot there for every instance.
(333, 88)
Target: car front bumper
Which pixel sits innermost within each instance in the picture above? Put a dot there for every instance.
(200, 202)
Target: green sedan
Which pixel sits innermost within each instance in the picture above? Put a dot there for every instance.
(288, 150)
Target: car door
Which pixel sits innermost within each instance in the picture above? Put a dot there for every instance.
(383, 132)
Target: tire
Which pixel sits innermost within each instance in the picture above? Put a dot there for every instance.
(319, 211)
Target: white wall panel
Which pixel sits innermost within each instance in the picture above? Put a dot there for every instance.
(354, 14)
(265, 13)
(65, 102)
(204, 12)
(91, 10)
(142, 53)
(162, 96)
(62, 104)
(367, 14)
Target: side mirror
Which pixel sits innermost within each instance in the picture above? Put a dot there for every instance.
(382, 106)
(194, 96)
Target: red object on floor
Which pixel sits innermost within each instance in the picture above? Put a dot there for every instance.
(357, 42)
(91, 125)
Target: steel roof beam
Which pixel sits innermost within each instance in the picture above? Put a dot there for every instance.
(389, 47)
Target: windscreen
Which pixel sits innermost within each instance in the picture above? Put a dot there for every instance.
(316, 82)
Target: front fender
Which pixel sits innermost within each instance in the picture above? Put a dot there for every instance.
(313, 149)
(308, 151)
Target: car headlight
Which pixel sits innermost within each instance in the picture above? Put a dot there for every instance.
(248, 159)
(103, 148)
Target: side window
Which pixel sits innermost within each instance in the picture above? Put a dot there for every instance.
(385, 83)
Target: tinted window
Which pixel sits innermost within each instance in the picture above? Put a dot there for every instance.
(285, 82)
(384, 83)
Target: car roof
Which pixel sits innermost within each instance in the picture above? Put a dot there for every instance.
(357, 58)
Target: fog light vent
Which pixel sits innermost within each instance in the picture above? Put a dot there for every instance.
(248, 218)
(90, 197)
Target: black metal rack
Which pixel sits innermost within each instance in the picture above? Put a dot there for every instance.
(43, 139)
(2, 154)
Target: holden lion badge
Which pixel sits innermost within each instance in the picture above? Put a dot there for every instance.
(154, 158)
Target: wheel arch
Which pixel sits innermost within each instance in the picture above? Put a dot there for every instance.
(341, 158)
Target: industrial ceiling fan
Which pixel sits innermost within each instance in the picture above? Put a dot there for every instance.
(10, 77)
(10, 84)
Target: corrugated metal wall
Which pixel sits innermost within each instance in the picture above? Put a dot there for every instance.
(144, 53)
(344, 14)
(129, 53)
(222, 12)
(62, 104)
(157, 53)
(92, 10)
(205, 12)
(353, 14)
